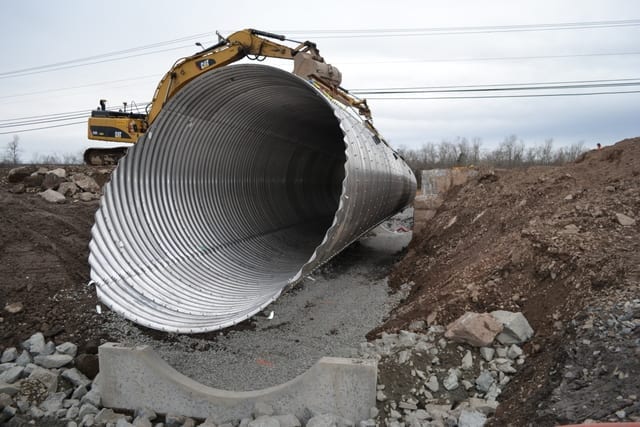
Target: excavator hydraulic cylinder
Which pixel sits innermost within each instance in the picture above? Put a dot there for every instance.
(248, 179)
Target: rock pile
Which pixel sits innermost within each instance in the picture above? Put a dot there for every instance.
(427, 376)
(59, 184)
(440, 376)
(40, 383)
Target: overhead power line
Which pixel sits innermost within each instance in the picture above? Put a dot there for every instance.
(506, 58)
(42, 121)
(58, 68)
(24, 124)
(40, 92)
(45, 127)
(564, 82)
(316, 34)
(538, 95)
(106, 55)
(430, 31)
(84, 113)
(492, 58)
(537, 86)
(43, 116)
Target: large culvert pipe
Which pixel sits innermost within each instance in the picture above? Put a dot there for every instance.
(247, 180)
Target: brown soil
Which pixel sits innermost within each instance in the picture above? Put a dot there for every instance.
(545, 241)
(43, 265)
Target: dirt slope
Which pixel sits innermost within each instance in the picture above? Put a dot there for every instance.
(43, 266)
(544, 241)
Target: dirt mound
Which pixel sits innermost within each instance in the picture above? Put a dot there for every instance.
(547, 241)
(43, 266)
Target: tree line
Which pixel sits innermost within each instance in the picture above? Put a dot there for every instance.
(12, 156)
(512, 152)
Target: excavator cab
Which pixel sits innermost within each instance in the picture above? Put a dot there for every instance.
(113, 126)
(116, 126)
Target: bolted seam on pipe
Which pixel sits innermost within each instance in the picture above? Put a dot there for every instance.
(248, 180)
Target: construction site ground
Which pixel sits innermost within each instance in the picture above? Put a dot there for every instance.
(559, 244)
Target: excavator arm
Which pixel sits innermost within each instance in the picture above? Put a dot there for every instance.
(237, 46)
(128, 127)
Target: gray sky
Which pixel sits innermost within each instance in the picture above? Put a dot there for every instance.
(39, 33)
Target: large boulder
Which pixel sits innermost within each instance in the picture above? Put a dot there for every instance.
(87, 196)
(33, 180)
(51, 181)
(86, 182)
(53, 361)
(68, 189)
(17, 188)
(476, 329)
(52, 196)
(516, 328)
(20, 173)
(59, 172)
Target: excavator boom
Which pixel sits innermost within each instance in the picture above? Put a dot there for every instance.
(128, 127)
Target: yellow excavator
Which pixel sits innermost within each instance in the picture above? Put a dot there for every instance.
(123, 126)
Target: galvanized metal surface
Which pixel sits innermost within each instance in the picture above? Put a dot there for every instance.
(248, 180)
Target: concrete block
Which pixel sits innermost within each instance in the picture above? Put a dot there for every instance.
(345, 387)
(435, 181)
(439, 181)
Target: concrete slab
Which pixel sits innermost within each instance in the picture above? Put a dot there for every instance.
(135, 377)
(438, 181)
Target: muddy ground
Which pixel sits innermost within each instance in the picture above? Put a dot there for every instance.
(545, 241)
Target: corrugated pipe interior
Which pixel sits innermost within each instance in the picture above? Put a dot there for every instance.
(249, 179)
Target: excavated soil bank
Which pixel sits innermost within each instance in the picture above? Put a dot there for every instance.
(547, 241)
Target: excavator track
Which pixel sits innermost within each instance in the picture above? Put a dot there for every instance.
(104, 156)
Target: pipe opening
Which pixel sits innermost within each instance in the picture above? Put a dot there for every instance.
(268, 160)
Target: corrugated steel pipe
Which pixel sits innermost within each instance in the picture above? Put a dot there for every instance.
(248, 179)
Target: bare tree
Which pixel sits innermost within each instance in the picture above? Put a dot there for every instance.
(447, 154)
(13, 150)
(72, 159)
(574, 151)
(511, 152)
(46, 159)
(546, 154)
(475, 150)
